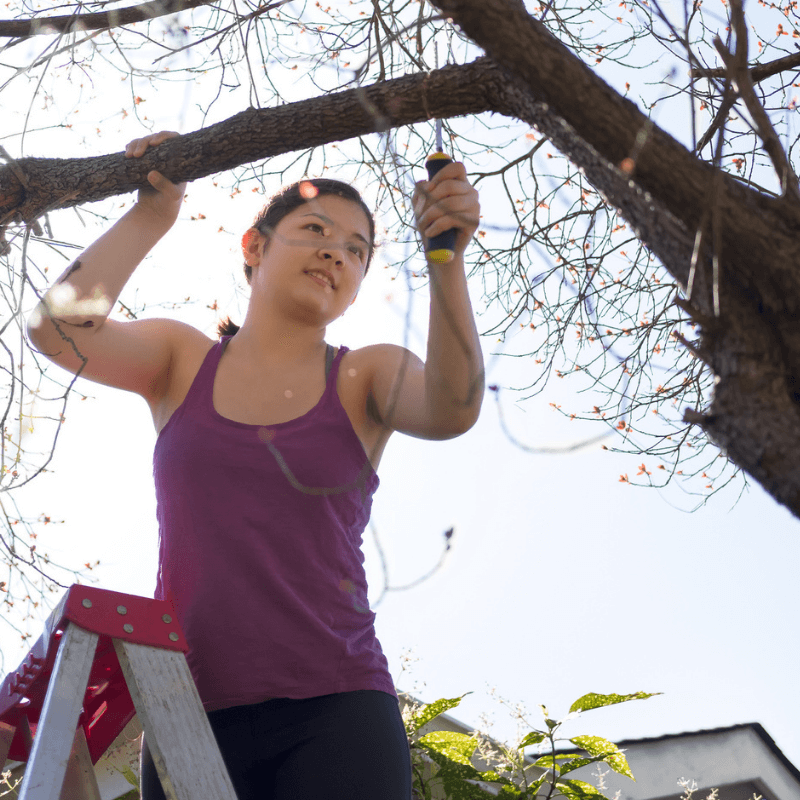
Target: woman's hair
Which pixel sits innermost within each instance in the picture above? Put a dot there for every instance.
(286, 201)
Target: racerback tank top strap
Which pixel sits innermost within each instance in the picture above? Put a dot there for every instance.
(331, 394)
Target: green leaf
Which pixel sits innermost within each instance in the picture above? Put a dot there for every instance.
(466, 791)
(550, 760)
(577, 763)
(592, 700)
(510, 792)
(450, 768)
(534, 737)
(451, 752)
(551, 724)
(458, 789)
(533, 788)
(570, 762)
(606, 751)
(579, 790)
(455, 777)
(457, 747)
(425, 714)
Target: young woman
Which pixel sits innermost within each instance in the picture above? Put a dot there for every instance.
(268, 442)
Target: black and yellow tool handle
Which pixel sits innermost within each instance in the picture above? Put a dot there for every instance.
(441, 248)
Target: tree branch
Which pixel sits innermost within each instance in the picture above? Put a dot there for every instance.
(728, 100)
(664, 169)
(758, 72)
(253, 135)
(97, 20)
(736, 65)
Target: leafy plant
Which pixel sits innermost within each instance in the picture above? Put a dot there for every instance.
(443, 760)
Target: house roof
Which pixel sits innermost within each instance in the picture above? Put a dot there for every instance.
(756, 727)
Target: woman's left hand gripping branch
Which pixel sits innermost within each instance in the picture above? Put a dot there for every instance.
(447, 201)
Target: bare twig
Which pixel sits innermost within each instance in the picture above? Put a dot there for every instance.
(728, 99)
(736, 65)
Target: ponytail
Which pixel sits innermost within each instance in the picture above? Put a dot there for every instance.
(226, 328)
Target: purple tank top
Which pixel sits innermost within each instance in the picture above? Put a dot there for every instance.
(260, 531)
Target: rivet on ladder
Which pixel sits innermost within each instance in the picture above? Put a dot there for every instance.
(174, 637)
(122, 610)
(128, 628)
(167, 618)
(87, 603)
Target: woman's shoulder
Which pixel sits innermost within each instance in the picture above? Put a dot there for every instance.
(187, 345)
(377, 359)
(380, 353)
(187, 336)
(178, 335)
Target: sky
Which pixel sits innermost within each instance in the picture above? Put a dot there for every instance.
(560, 579)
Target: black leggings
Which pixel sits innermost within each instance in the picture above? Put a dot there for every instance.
(348, 746)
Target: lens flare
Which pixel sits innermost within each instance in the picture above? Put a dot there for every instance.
(308, 191)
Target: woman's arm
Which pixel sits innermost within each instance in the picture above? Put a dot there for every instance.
(442, 397)
(70, 325)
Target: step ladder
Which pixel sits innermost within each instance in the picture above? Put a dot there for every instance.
(104, 657)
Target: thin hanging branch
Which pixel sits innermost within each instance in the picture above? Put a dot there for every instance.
(93, 21)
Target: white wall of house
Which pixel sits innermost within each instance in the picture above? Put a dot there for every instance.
(738, 761)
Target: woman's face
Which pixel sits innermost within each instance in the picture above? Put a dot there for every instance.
(316, 256)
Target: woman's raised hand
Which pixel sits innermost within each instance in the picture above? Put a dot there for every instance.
(162, 199)
(447, 201)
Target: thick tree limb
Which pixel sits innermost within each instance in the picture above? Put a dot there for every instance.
(251, 136)
(98, 20)
(664, 168)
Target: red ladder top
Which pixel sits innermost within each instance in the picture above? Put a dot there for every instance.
(107, 704)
